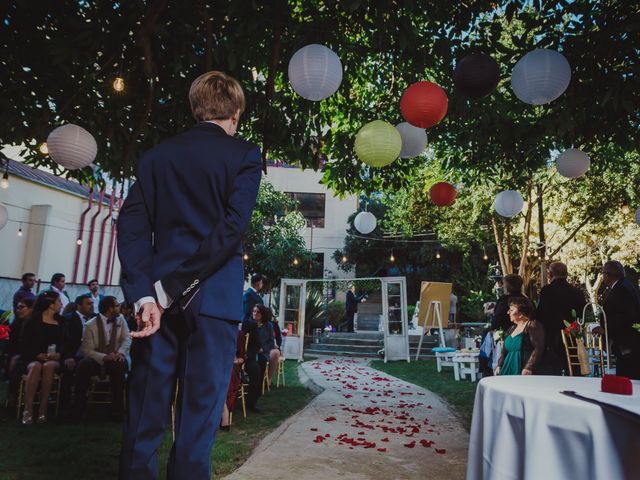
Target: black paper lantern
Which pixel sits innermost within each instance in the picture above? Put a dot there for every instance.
(476, 75)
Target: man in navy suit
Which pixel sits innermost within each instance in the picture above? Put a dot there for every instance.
(251, 296)
(180, 245)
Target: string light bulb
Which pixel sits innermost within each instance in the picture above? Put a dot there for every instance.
(437, 253)
(20, 230)
(245, 256)
(79, 241)
(44, 148)
(392, 258)
(485, 257)
(344, 259)
(118, 84)
(295, 261)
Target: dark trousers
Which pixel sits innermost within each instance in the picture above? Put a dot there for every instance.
(197, 352)
(628, 365)
(88, 368)
(255, 369)
(350, 316)
(68, 379)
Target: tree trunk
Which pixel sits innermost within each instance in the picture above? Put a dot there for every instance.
(496, 234)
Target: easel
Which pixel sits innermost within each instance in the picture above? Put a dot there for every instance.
(434, 314)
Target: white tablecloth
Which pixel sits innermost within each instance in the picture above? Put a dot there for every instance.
(524, 428)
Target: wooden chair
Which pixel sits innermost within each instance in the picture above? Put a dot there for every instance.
(54, 395)
(280, 372)
(571, 351)
(265, 379)
(99, 392)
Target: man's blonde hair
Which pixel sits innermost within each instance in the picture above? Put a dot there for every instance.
(215, 96)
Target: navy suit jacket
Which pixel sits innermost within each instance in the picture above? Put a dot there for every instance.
(184, 219)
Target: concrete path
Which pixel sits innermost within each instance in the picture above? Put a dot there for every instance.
(365, 425)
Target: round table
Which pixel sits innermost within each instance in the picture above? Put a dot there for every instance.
(524, 428)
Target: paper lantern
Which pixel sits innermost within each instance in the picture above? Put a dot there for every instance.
(637, 216)
(476, 75)
(72, 147)
(508, 203)
(4, 216)
(414, 140)
(424, 104)
(442, 194)
(315, 72)
(540, 76)
(378, 143)
(365, 222)
(573, 163)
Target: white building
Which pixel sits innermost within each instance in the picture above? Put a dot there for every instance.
(54, 227)
(326, 213)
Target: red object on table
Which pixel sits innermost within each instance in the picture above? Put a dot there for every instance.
(616, 384)
(442, 194)
(424, 104)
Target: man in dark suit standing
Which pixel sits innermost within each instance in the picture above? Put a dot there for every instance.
(557, 300)
(251, 296)
(180, 245)
(622, 307)
(351, 306)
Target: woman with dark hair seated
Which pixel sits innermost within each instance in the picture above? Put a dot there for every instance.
(41, 341)
(23, 311)
(524, 341)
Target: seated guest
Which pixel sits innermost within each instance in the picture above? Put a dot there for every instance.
(557, 300)
(25, 291)
(234, 383)
(511, 288)
(41, 340)
(622, 306)
(105, 347)
(22, 313)
(74, 325)
(271, 329)
(256, 358)
(94, 295)
(58, 282)
(524, 342)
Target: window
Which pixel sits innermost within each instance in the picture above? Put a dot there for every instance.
(311, 206)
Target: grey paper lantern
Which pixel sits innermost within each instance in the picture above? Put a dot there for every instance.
(508, 203)
(414, 140)
(315, 72)
(573, 163)
(540, 76)
(72, 147)
(4, 216)
(365, 222)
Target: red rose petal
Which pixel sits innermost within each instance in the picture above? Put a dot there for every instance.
(410, 445)
(440, 450)
(382, 449)
(313, 429)
(330, 419)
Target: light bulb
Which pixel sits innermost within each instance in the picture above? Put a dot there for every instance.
(392, 258)
(4, 183)
(485, 257)
(20, 232)
(246, 257)
(118, 85)
(79, 241)
(295, 261)
(438, 254)
(344, 259)
(44, 148)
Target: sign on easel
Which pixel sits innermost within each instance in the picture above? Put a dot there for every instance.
(435, 298)
(433, 319)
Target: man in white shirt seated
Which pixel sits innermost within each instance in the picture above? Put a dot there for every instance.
(105, 344)
(94, 294)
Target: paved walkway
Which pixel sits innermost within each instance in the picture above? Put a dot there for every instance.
(365, 425)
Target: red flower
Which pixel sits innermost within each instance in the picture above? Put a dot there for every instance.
(330, 419)
(410, 445)
(440, 450)
(4, 332)
(382, 449)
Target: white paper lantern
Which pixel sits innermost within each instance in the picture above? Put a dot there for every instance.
(72, 147)
(638, 215)
(573, 163)
(365, 222)
(508, 203)
(540, 76)
(4, 216)
(414, 140)
(315, 72)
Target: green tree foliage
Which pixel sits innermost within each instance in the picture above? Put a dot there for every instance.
(273, 242)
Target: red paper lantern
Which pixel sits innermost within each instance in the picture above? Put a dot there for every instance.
(442, 194)
(424, 104)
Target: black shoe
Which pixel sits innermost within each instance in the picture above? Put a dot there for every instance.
(255, 409)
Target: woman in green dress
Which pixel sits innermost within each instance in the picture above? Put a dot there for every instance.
(524, 343)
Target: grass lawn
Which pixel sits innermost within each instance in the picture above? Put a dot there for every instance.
(90, 451)
(459, 395)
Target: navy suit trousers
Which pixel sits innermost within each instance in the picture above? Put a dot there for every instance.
(197, 353)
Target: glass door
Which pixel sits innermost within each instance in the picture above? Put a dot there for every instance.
(291, 318)
(396, 325)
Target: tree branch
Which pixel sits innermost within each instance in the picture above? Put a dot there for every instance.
(570, 236)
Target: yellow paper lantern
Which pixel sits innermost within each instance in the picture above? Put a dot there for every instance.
(378, 143)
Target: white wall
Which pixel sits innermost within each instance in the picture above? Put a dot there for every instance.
(49, 248)
(330, 238)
